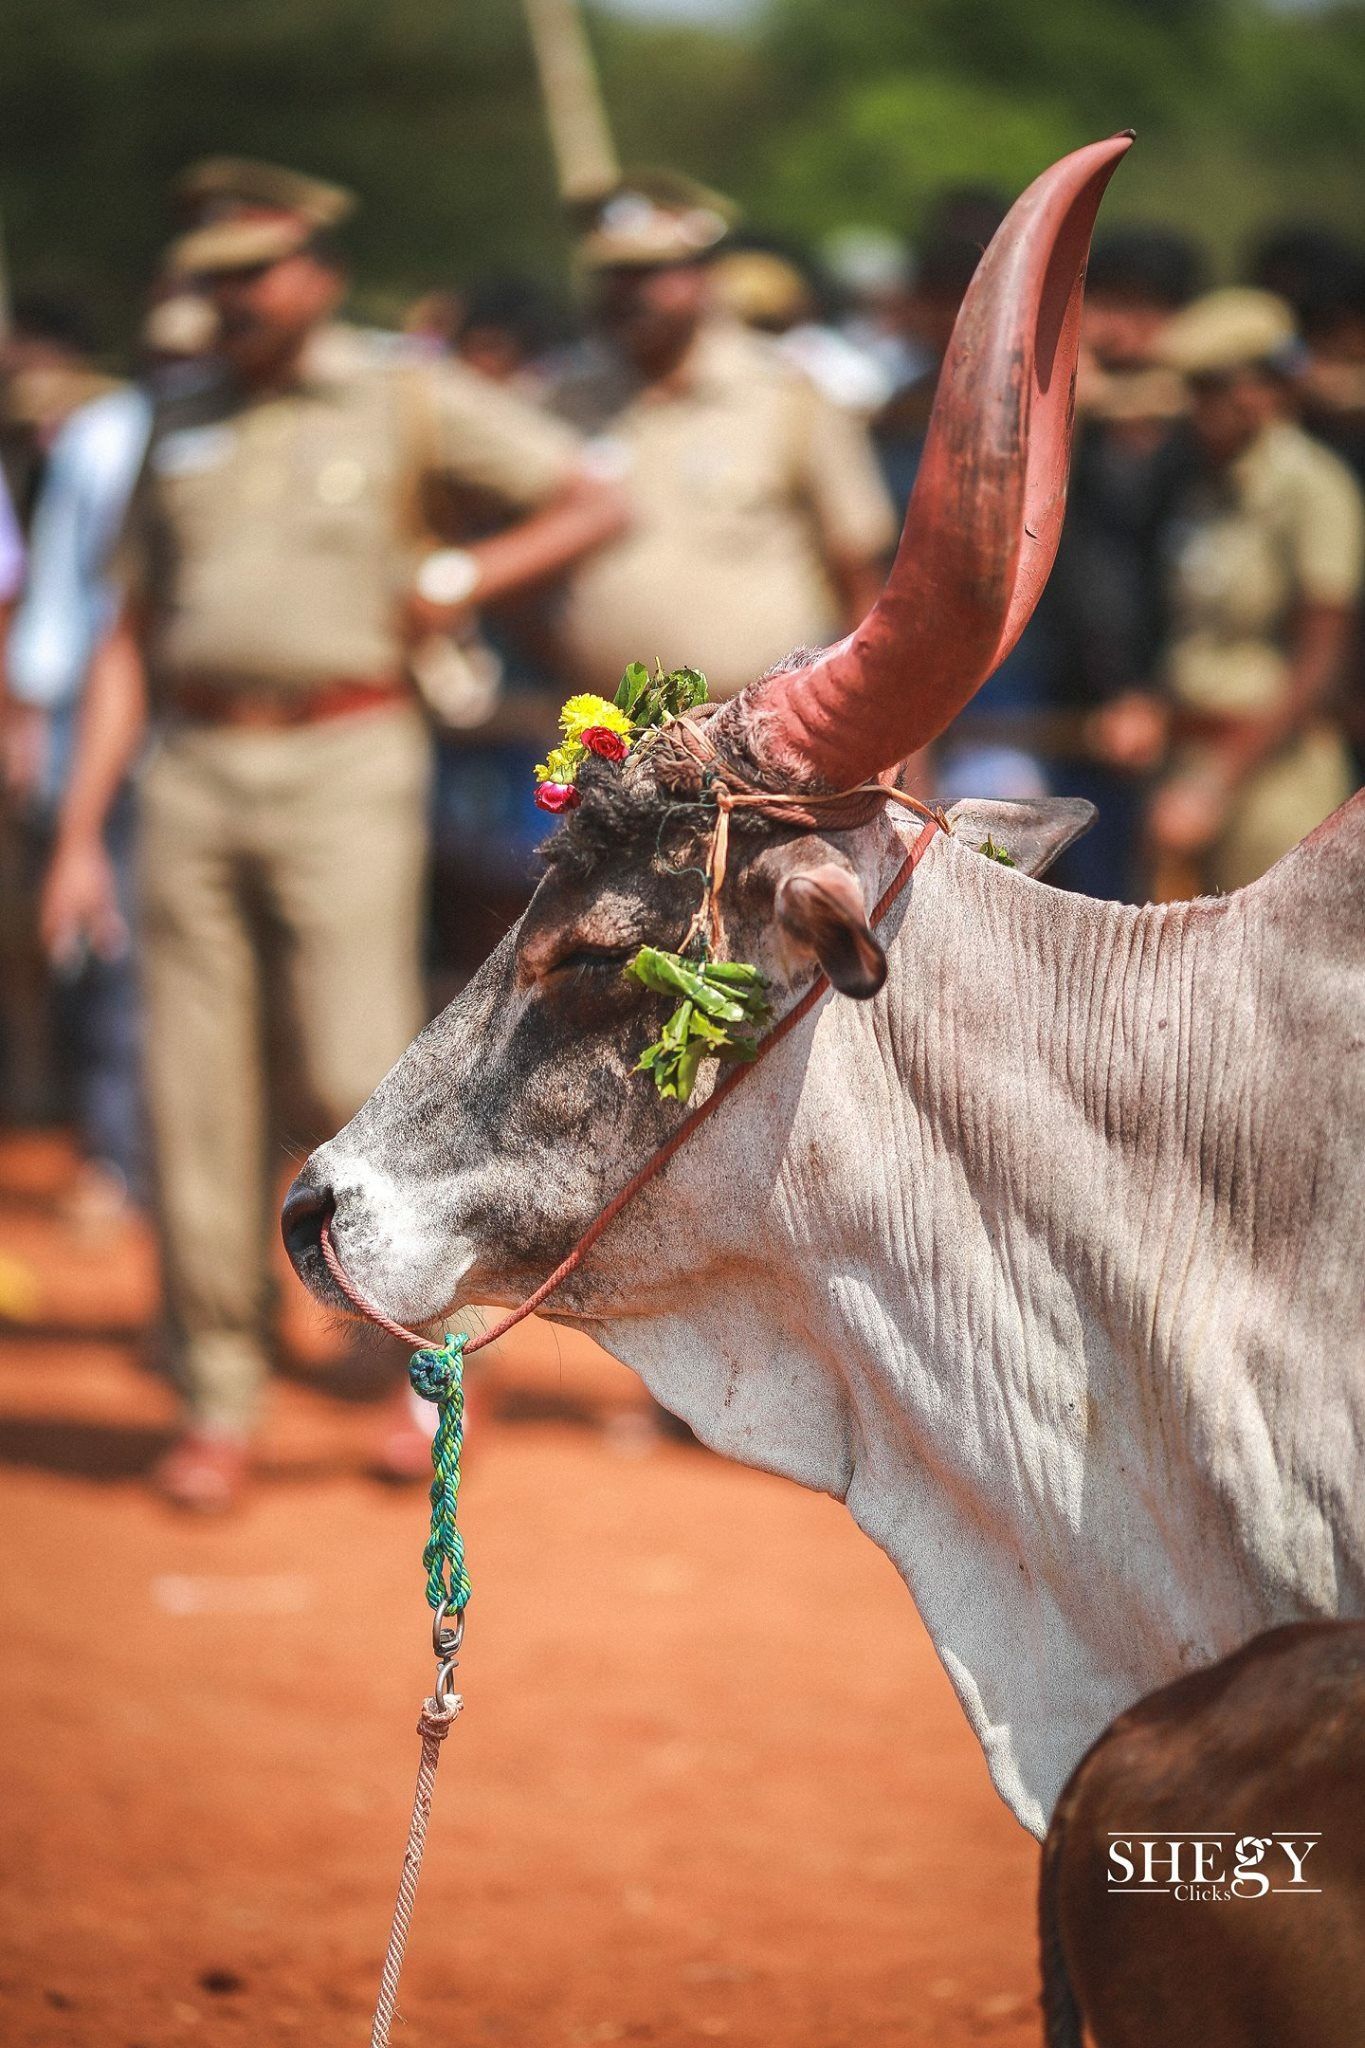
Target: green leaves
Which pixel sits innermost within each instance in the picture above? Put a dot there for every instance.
(716, 996)
(993, 850)
(632, 688)
(653, 700)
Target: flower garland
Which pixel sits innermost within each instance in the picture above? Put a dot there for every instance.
(590, 725)
(610, 727)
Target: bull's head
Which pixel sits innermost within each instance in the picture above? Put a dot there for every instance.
(515, 1116)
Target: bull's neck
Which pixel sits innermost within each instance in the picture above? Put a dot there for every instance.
(907, 1194)
(1031, 1055)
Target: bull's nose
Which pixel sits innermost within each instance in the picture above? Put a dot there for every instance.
(306, 1208)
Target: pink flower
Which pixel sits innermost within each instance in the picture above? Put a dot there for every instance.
(600, 739)
(557, 796)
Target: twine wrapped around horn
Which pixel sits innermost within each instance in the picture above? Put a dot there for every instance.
(982, 529)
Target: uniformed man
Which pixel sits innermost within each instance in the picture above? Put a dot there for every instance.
(759, 522)
(1264, 565)
(1101, 615)
(271, 577)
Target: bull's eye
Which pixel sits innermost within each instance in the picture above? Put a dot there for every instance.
(594, 960)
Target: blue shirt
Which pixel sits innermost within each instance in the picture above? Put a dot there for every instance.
(68, 603)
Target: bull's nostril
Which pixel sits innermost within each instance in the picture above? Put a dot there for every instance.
(306, 1209)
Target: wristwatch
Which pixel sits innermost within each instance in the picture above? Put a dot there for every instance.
(449, 576)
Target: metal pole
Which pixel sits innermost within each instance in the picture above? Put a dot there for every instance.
(585, 156)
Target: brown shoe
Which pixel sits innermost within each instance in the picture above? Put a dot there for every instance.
(402, 1453)
(203, 1472)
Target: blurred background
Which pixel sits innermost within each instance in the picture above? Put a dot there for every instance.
(814, 117)
(371, 379)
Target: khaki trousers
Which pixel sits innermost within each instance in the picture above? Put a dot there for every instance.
(280, 878)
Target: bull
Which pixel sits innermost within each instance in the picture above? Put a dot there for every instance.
(1039, 1241)
(1277, 1729)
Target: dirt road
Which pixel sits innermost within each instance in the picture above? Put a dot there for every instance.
(710, 1783)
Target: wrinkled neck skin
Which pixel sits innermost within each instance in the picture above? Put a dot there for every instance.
(996, 1260)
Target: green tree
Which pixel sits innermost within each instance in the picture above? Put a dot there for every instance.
(821, 112)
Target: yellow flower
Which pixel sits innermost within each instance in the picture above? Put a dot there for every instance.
(562, 763)
(580, 713)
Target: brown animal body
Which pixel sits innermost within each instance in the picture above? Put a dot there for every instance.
(1265, 1747)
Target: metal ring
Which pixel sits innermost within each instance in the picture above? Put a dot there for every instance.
(445, 1642)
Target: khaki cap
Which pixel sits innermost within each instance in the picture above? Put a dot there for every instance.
(247, 213)
(233, 181)
(654, 218)
(1228, 330)
(1127, 397)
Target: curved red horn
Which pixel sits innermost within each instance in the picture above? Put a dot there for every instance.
(984, 521)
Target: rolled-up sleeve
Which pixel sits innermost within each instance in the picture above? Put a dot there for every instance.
(492, 440)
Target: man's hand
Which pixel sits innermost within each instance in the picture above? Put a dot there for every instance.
(25, 738)
(443, 594)
(79, 906)
(1187, 814)
(1131, 732)
(453, 584)
(421, 619)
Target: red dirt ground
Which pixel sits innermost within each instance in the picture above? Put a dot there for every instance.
(709, 1785)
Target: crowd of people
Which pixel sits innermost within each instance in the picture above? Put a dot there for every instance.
(289, 611)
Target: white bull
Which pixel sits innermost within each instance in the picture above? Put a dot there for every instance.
(1048, 1257)
(1048, 1262)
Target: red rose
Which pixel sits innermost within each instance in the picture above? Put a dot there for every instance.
(600, 739)
(557, 796)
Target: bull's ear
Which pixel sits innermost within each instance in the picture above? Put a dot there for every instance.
(1026, 835)
(822, 911)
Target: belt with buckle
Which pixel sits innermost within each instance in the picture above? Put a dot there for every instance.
(207, 704)
(1215, 727)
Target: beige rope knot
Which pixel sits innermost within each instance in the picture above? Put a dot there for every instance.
(434, 1721)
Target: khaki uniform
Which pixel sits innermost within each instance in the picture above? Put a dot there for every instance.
(281, 865)
(744, 484)
(1281, 527)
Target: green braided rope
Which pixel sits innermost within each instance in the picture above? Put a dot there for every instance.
(439, 1376)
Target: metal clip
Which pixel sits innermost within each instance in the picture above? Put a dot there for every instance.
(445, 1642)
(444, 1691)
